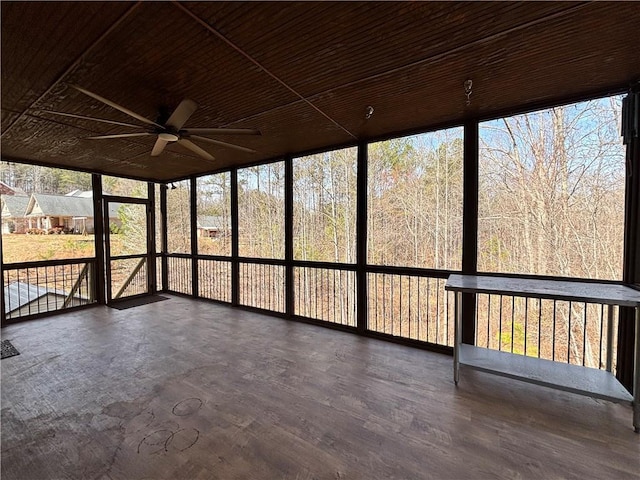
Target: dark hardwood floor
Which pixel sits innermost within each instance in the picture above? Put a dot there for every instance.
(186, 389)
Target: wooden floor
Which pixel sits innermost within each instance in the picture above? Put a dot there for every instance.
(190, 389)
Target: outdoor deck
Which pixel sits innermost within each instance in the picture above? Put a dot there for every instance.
(190, 389)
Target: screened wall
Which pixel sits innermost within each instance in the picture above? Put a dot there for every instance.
(363, 238)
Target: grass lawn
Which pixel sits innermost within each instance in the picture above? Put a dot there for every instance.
(28, 248)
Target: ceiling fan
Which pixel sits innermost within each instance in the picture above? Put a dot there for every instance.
(170, 131)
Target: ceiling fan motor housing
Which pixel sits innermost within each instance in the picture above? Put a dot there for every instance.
(169, 136)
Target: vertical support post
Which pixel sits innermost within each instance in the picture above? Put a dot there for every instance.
(99, 239)
(636, 376)
(3, 316)
(288, 237)
(107, 250)
(193, 203)
(361, 237)
(91, 282)
(164, 238)
(235, 264)
(627, 330)
(470, 227)
(151, 236)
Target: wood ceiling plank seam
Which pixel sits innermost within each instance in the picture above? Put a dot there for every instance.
(76, 62)
(60, 122)
(302, 23)
(255, 62)
(368, 77)
(132, 141)
(236, 120)
(263, 113)
(374, 54)
(232, 11)
(163, 67)
(202, 76)
(238, 25)
(323, 77)
(455, 50)
(231, 73)
(373, 25)
(367, 23)
(307, 44)
(287, 27)
(525, 42)
(25, 62)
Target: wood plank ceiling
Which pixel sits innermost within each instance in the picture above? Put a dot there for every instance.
(303, 73)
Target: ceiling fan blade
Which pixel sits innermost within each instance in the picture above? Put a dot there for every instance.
(194, 148)
(116, 106)
(122, 135)
(223, 131)
(223, 144)
(103, 120)
(182, 113)
(158, 147)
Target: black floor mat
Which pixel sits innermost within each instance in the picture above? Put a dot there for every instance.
(136, 302)
(8, 350)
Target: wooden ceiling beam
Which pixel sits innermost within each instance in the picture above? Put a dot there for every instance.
(262, 67)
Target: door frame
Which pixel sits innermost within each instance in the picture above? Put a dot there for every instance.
(149, 250)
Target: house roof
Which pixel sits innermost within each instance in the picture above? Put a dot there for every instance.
(303, 73)
(14, 205)
(6, 189)
(214, 222)
(19, 294)
(41, 204)
(59, 206)
(80, 193)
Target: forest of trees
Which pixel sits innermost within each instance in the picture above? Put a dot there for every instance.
(38, 179)
(551, 202)
(415, 201)
(552, 192)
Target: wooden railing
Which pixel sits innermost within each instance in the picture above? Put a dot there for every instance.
(34, 288)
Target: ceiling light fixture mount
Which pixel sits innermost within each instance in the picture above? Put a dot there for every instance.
(468, 84)
(368, 112)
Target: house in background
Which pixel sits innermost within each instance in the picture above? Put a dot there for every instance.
(14, 204)
(214, 226)
(71, 213)
(13, 213)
